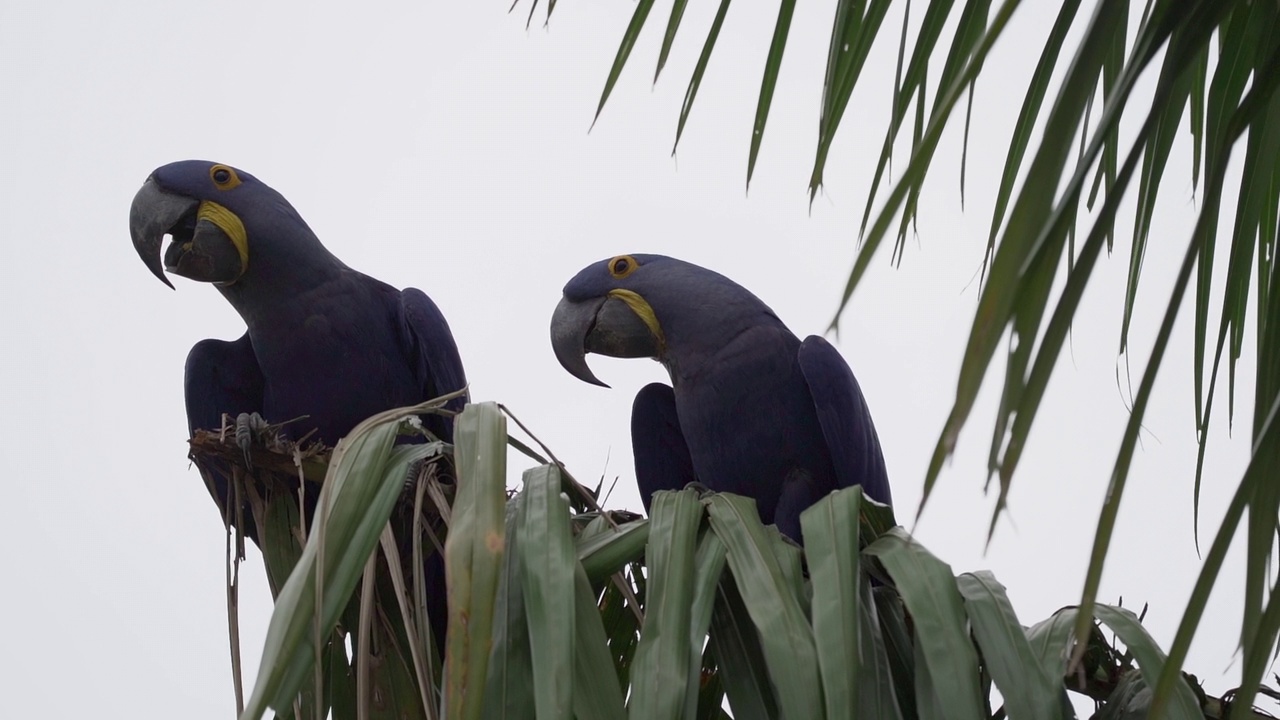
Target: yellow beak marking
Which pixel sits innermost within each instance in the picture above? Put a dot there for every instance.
(229, 223)
(644, 311)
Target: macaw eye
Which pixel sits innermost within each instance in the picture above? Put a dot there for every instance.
(622, 266)
(224, 177)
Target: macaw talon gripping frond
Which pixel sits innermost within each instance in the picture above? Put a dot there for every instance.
(248, 425)
(701, 489)
(154, 214)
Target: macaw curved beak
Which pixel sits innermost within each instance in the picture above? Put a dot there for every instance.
(605, 325)
(200, 250)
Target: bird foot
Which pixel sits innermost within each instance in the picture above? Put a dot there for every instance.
(248, 426)
(411, 478)
(703, 490)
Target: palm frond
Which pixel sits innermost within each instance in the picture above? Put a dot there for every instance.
(716, 605)
(1218, 68)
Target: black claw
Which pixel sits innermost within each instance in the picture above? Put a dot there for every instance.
(411, 479)
(703, 490)
(247, 426)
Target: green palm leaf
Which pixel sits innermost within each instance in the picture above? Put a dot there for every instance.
(718, 601)
(1218, 66)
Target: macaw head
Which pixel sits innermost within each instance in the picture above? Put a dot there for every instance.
(223, 222)
(652, 306)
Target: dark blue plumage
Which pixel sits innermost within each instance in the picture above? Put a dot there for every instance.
(345, 348)
(326, 346)
(661, 454)
(221, 377)
(752, 410)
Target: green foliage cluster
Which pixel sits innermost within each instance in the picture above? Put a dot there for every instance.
(557, 611)
(701, 602)
(1216, 65)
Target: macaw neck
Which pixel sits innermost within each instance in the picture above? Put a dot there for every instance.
(708, 320)
(279, 276)
(725, 345)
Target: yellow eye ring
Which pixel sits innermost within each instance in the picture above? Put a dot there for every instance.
(622, 266)
(224, 177)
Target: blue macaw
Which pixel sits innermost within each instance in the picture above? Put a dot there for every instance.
(325, 345)
(751, 409)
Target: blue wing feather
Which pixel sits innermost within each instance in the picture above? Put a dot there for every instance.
(434, 357)
(661, 453)
(845, 418)
(438, 364)
(222, 377)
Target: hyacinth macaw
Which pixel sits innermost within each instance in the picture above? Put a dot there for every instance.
(326, 346)
(751, 408)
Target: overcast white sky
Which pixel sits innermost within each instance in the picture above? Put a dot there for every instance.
(443, 146)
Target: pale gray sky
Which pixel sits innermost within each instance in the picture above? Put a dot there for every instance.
(443, 146)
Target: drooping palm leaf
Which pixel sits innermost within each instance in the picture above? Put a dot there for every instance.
(473, 554)
(1218, 67)
(665, 674)
(714, 566)
(856, 26)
